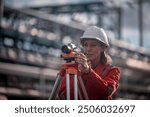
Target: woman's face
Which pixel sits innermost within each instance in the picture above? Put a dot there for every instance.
(92, 49)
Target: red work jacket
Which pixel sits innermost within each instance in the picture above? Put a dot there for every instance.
(96, 83)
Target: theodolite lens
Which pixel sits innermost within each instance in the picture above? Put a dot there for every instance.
(66, 49)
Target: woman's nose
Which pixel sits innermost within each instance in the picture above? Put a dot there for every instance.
(87, 48)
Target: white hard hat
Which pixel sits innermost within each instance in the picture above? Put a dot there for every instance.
(94, 32)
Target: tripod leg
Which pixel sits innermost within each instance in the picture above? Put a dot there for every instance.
(55, 88)
(75, 87)
(80, 95)
(68, 86)
(83, 88)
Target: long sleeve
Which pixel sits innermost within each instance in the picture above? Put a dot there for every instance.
(98, 86)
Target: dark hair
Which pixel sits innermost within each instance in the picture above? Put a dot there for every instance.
(105, 58)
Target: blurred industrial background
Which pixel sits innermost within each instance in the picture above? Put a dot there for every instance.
(33, 31)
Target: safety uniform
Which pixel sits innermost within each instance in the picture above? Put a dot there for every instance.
(96, 83)
(101, 82)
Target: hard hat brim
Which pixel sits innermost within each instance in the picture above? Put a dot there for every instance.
(93, 38)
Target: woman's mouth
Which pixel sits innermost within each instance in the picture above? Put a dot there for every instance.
(89, 55)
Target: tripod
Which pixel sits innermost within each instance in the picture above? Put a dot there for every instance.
(70, 69)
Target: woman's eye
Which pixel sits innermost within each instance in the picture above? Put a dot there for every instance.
(90, 45)
(85, 45)
(94, 45)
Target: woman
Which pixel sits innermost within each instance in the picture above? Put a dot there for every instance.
(99, 77)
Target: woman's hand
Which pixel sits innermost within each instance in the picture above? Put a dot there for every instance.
(83, 63)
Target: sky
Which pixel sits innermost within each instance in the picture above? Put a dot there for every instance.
(130, 21)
